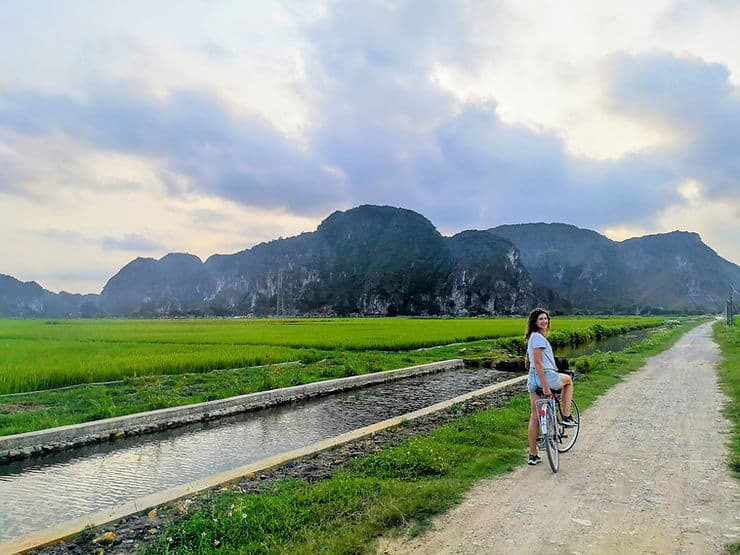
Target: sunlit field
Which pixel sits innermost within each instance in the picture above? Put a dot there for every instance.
(39, 354)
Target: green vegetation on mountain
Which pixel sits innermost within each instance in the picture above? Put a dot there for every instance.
(385, 261)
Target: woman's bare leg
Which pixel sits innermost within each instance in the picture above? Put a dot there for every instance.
(567, 394)
(534, 423)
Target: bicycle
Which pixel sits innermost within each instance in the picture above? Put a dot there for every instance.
(556, 437)
(548, 430)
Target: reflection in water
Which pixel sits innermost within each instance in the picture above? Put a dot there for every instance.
(616, 343)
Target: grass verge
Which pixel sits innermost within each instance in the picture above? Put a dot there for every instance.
(403, 486)
(728, 339)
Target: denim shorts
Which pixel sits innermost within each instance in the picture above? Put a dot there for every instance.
(554, 380)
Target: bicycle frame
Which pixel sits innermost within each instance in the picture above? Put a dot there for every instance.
(565, 436)
(549, 429)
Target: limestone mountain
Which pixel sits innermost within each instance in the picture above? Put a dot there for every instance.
(679, 271)
(489, 276)
(371, 260)
(171, 285)
(380, 260)
(668, 272)
(28, 299)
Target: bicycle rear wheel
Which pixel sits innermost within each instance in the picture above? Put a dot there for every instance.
(551, 440)
(567, 436)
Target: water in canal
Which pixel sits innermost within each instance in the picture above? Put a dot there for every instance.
(43, 492)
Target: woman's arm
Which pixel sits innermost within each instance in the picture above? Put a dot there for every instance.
(540, 368)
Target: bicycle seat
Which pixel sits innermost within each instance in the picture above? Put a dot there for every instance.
(540, 392)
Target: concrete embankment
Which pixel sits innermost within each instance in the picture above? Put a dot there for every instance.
(73, 527)
(20, 446)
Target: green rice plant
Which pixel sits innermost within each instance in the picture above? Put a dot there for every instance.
(39, 355)
(37, 365)
(326, 333)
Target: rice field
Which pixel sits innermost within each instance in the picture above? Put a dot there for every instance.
(43, 354)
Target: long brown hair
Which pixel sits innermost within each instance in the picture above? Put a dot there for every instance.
(532, 322)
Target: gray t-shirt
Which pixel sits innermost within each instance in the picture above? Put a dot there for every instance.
(539, 341)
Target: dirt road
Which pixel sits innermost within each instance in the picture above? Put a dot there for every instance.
(648, 475)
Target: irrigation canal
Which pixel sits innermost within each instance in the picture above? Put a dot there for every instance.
(43, 492)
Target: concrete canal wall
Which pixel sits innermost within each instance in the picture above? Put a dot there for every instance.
(20, 446)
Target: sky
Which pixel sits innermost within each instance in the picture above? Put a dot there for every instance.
(137, 128)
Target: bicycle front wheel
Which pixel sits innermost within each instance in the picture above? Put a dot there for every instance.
(567, 436)
(551, 440)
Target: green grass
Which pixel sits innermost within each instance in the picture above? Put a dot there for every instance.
(399, 487)
(153, 375)
(39, 354)
(728, 339)
(319, 333)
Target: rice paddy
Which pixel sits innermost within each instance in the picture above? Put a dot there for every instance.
(46, 354)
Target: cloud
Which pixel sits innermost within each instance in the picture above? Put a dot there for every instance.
(696, 100)
(215, 52)
(239, 158)
(380, 126)
(69, 237)
(12, 170)
(399, 137)
(133, 242)
(388, 134)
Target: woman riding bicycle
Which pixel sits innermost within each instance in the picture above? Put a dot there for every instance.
(543, 374)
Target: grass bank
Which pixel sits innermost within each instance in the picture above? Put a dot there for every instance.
(398, 487)
(728, 339)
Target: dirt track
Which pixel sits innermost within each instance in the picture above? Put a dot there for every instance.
(648, 475)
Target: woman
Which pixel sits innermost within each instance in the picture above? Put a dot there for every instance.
(543, 373)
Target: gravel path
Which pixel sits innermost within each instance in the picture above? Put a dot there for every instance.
(648, 475)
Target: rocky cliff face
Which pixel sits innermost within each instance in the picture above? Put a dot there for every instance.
(669, 272)
(29, 300)
(171, 286)
(378, 260)
(488, 276)
(371, 260)
(581, 265)
(677, 270)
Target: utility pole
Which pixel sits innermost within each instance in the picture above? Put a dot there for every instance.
(731, 306)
